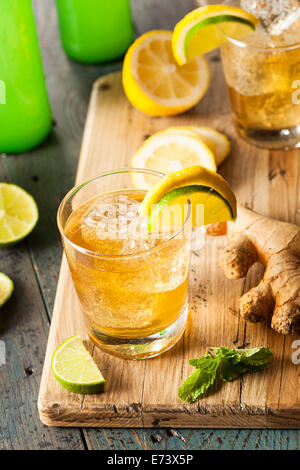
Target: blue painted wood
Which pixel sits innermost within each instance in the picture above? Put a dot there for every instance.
(48, 172)
(184, 439)
(24, 329)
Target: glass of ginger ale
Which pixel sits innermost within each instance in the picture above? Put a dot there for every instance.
(132, 284)
(262, 72)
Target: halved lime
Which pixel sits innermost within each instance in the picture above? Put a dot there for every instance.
(18, 214)
(6, 288)
(198, 32)
(75, 369)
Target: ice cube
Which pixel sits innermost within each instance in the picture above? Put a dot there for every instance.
(138, 237)
(275, 16)
(107, 220)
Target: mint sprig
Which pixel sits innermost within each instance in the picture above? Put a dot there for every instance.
(222, 365)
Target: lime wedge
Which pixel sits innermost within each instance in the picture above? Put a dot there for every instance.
(208, 207)
(199, 31)
(75, 369)
(6, 288)
(211, 198)
(18, 214)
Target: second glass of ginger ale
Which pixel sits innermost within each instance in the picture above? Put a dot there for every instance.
(262, 72)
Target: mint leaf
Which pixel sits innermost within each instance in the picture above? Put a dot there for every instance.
(202, 362)
(239, 361)
(200, 380)
(223, 364)
(229, 370)
(256, 358)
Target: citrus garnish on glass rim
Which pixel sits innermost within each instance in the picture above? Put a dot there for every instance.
(204, 188)
(199, 31)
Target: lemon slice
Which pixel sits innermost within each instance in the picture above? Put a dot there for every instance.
(155, 84)
(6, 288)
(206, 28)
(74, 368)
(167, 152)
(210, 195)
(221, 142)
(216, 141)
(18, 214)
(190, 131)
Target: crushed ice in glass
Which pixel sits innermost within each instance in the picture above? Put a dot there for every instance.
(116, 218)
(109, 216)
(276, 16)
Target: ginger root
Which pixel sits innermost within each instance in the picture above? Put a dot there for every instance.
(276, 244)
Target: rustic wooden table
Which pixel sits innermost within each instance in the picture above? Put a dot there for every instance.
(48, 172)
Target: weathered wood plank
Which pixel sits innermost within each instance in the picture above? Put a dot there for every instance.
(115, 129)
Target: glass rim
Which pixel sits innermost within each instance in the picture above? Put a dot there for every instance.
(87, 252)
(241, 43)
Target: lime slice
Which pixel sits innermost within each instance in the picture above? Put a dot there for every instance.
(18, 214)
(205, 28)
(75, 369)
(6, 288)
(211, 198)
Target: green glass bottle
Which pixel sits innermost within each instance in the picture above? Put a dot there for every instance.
(25, 115)
(94, 31)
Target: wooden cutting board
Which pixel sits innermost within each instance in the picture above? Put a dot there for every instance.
(144, 393)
